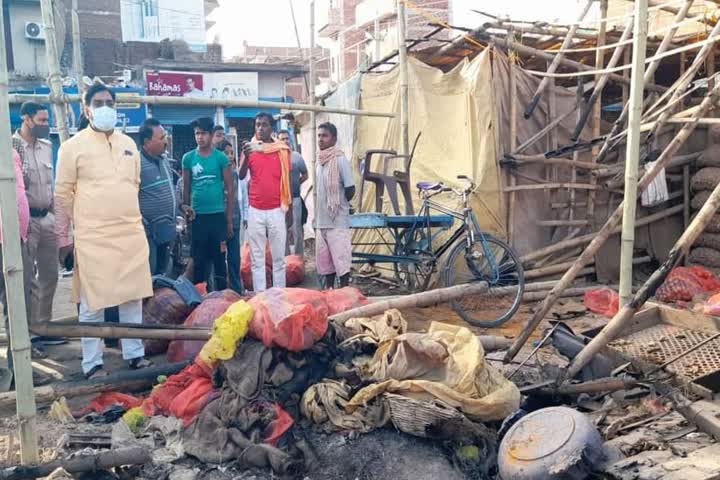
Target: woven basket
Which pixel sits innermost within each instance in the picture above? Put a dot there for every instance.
(709, 240)
(707, 257)
(417, 417)
(699, 199)
(710, 157)
(705, 179)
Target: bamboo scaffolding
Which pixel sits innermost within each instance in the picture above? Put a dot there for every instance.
(554, 186)
(600, 84)
(685, 80)
(601, 236)
(625, 315)
(204, 102)
(585, 239)
(77, 47)
(556, 60)
(632, 158)
(13, 272)
(580, 67)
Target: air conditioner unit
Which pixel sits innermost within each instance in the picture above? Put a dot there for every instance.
(34, 31)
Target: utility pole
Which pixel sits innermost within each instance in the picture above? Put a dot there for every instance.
(54, 77)
(13, 272)
(313, 115)
(404, 92)
(77, 48)
(632, 157)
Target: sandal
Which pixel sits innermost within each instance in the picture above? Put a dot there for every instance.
(140, 363)
(96, 372)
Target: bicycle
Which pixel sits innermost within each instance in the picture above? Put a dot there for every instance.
(472, 255)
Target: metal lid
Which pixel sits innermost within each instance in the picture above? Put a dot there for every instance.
(541, 433)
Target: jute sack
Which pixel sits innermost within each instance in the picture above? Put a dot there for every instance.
(705, 179)
(710, 157)
(704, 256)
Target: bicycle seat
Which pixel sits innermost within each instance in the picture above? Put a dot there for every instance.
(429, 186)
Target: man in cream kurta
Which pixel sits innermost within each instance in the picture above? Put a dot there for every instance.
(96, 188)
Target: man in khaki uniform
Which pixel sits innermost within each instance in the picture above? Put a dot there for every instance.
(42, 242)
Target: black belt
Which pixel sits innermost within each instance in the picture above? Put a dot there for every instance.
(39, 212)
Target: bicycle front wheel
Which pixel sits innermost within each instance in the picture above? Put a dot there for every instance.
(486, 260)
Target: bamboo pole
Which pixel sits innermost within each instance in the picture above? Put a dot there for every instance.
(624, 316)
(601, 82)
(404, 92)
(612, 222)
(554, 186)
(13, 271)
(535, 29)
(557, 60)
(525, 159)
(597, 109)
(649, 75)
(77, 47)
(73, 329)
(82, 462)
(204, 102)
(54, 78)
(127, 380)
(422, 299)
(632, 157)
(513, 144)
(561, 267)
(542, 132)
(313, 114)
(585, 239)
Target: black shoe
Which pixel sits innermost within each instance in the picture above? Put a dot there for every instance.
(345, 280)
(327, 282)
(140, 363)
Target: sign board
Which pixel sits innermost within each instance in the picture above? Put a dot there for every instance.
(156, 20)
(225, 85)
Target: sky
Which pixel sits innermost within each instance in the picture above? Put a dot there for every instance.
(272, 24)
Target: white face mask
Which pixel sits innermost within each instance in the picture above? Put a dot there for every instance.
(104, 118)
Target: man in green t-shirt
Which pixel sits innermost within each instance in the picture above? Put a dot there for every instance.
(207, 190)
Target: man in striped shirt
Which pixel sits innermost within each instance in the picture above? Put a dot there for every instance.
(158, 203)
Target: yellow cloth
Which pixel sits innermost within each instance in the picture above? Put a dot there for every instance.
(96, 188)
(227, 331)
(448, 364)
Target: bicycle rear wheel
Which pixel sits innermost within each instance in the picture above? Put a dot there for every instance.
(415, 273)
(487, 260)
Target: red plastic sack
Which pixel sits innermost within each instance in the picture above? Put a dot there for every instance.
(204, 315)
(107, 399)
(165, 307)
(344, 299)
(290, 318)
(712, 306)
(294, 268)
(683, 283)
(183, 395)
(604, 301)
